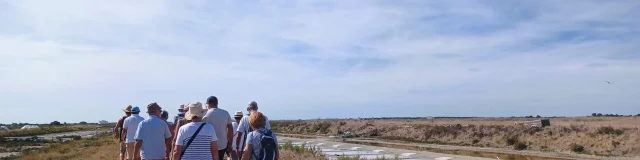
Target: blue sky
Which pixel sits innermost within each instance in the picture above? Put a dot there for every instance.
(74, 60)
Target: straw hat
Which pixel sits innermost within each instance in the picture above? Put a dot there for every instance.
(128, 109)
(238, 114)
(195, 109)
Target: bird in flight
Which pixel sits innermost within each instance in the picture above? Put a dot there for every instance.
(608, 82)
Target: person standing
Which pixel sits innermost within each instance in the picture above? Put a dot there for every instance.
(238, 116)
(196, 139)
(180, 122)
(221, 122)
(130, 126)
(180, 114)
(153, 136)
(118, 129)
(262, 144)
(244, 128)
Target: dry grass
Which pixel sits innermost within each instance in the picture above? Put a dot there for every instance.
(101, 146)
(608, 136)
(104, 147)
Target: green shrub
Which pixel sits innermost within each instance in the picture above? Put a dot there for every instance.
(512, 140)
(577, 148)
(609, 130)
(520, 146)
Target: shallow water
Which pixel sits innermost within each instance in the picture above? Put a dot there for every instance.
(332, 152)
(493, 155)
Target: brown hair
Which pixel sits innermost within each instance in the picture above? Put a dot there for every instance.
(257, 120)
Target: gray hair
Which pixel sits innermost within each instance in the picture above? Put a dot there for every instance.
(253, 105)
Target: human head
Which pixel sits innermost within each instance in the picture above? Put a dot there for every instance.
(238, 116)
(257, 120)
(181, 108)
(135, 110)
(252, 107)
(195, 113)
(186, 107)
(165, 115)
(212, 102)
(127, 110)
(154, 109)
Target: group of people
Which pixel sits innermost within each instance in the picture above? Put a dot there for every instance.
(197, 132)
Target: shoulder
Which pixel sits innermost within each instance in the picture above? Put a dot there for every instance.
(208, 127)
(224, 111)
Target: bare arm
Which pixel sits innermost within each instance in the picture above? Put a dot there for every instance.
(167, 146)
(229, 137)
(137, 147)
(176, 155)
(115, 129)
(214, 150)
(247, 152)
(238, 139)
(175, 130)
(124, 132)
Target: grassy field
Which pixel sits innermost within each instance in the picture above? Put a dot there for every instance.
(603, 136)
(104, 147)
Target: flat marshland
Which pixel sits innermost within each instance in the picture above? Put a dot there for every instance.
(599, 136)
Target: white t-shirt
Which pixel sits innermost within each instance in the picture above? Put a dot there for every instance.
(244, 126)
(200, 147)
(219, 119)
(235, 127)
(131, 124)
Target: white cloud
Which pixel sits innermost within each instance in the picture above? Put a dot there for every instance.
(298, 57)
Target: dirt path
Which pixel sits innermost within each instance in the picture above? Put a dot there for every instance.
(470, 151)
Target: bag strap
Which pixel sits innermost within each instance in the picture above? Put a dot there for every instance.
(191, 139)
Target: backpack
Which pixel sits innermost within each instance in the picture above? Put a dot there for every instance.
(268, 146)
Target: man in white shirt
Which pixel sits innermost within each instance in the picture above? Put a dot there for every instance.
(221, 122)
(129, 129)
(244, 128)
(238, 116)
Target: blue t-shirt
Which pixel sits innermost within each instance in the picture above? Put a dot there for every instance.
(153, 131)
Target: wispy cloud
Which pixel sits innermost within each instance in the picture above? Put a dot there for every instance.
(309, 59)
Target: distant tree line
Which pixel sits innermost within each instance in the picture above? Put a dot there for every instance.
(610, 115)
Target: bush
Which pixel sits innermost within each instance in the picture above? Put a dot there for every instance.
(520, 146)
(511, 140)
(83, 122)
(609, 130)
(577, 148)
(55, 123)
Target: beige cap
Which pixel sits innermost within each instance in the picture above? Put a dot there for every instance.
(195, 109)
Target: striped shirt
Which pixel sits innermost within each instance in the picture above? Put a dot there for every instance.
(200, 147)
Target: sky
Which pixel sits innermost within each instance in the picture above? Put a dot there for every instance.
(78, 60)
